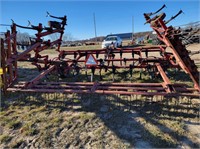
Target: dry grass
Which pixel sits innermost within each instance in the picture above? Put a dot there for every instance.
(104, 122)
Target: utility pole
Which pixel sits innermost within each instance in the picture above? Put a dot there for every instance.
(95, 27)
(132, 27)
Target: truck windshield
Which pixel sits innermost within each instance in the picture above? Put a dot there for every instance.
(111, 38)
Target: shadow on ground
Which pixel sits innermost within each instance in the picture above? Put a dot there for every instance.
(141, 122)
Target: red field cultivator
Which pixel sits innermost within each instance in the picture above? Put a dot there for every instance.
(154, 60)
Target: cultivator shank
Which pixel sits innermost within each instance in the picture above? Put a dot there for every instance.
(153, 60)
(171, 37)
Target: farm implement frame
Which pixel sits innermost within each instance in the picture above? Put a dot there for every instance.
(109, 59)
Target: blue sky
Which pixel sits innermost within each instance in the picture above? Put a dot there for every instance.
(111, 16)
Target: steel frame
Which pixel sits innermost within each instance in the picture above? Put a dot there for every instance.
(9, 69)
(108, 59)
(171, 38)
(145, 89)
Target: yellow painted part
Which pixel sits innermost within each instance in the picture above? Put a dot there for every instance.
(1, 71)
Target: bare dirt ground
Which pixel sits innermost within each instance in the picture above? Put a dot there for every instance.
(33, 120)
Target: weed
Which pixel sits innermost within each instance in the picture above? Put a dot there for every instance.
(176, 127)
(16, 144)
(86, 116)
(38, 109)
(5, 138)
(14, 124)
(157, 137)
(68, 122)
(28, 129)
(9, 112)
(98, 133)
(45, 137)
(4, 121)
(56, 121)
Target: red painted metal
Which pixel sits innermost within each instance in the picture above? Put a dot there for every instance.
(9, 75)
(3, 66)
(111, 59)
(170, 37)
(166, 84)
(123, 91)
(10, 56)
(40, 76)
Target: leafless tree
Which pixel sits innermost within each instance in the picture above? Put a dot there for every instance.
(68, 37)
(54, 36)
(23, 38)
